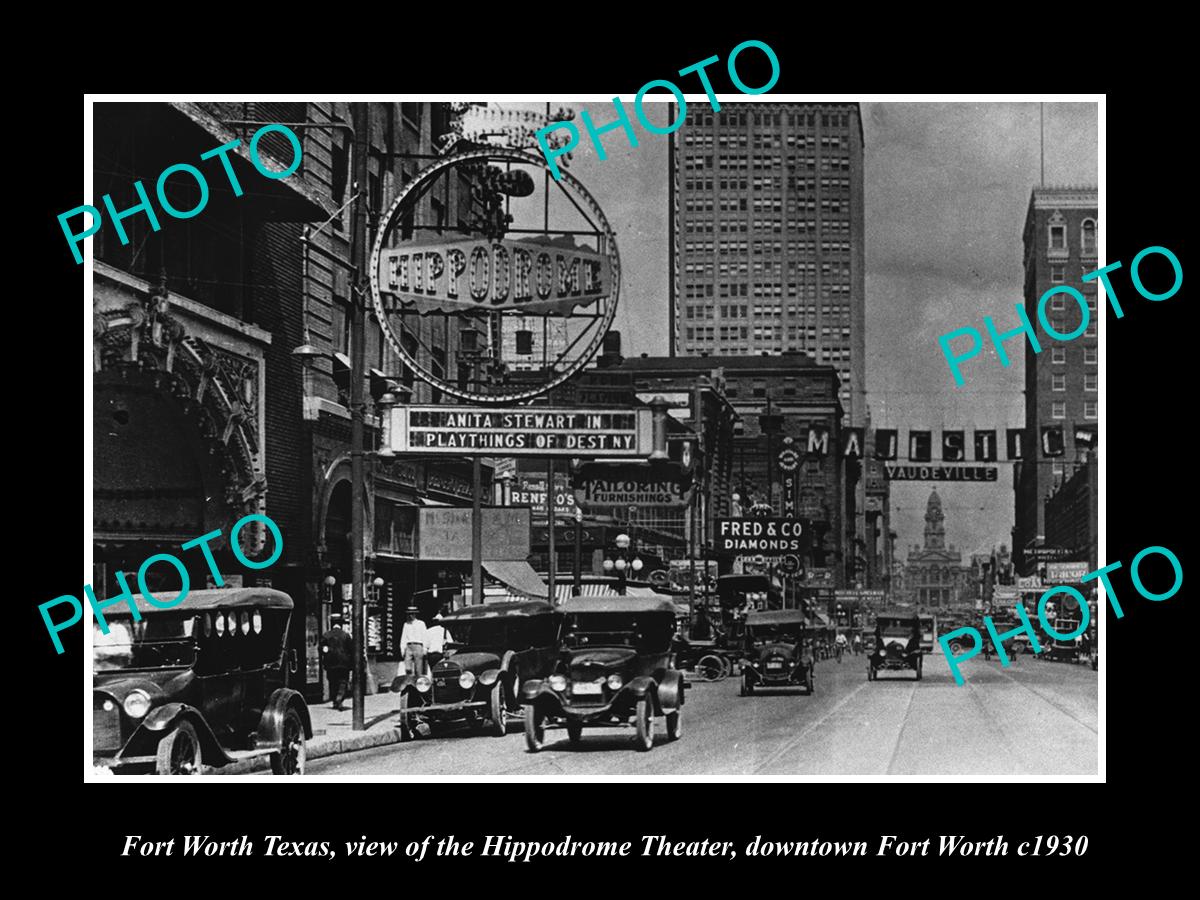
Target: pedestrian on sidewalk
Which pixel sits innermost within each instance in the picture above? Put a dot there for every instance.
(436, 639)
(412, 639)
(337, 654)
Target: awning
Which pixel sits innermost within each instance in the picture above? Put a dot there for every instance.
(517, 575)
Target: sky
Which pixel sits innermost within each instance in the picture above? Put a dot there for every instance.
(946, 191)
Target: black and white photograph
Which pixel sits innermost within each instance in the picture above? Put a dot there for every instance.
(540, 439)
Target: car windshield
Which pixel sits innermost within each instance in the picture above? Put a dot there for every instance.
(776, 633)
(642, 632)
(157, 642)
(477, 635)
(897, 628)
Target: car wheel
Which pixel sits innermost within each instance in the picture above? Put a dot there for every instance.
(726, 667)
(955, 647)
(291, 756)
(179, 752)
(498, 724)
(710, 667)
(574, 732)
(535, 728)
(405, 724)
(645, 723)
(675, 724)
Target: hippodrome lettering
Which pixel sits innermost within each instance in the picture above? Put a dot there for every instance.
(623, 117)
(1027, 626)
(220, 152)
(1026, 327)
(98, 606)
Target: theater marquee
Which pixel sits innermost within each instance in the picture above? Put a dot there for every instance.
(527, 431)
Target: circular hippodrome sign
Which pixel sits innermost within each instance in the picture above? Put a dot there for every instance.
(514, 301)
(789, 460)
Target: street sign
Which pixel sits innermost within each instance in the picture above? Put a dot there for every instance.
(523, 431)
(1046, 554)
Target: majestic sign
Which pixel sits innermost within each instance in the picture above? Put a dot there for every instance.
(661, 485)
(458, 276)
(525, 431)
(940, 473)
(770, 537)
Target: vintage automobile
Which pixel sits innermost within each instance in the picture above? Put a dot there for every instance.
(200, 684)
(777, 651)
(493, 649)
(614, 669)
(898, 638)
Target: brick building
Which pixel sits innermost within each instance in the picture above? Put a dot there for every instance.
(1061, 382)
(203, 413)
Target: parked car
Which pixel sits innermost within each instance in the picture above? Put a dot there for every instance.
(898, 639)
(200, 684)
(614, 669)
(777, 651)
(493, 649)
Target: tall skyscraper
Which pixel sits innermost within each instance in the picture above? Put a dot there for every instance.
(1061, 382)
(767, 236)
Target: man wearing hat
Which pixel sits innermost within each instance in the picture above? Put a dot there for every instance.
(412, 639)
(337, 655)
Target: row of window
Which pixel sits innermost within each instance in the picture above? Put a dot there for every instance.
(1058, 275)
(1059, 355)
(1058, 381)
(1087, 237)
(1058, 409)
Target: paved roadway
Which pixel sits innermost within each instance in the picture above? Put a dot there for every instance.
(1034, 718)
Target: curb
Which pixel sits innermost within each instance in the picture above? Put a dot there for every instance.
(364, 741)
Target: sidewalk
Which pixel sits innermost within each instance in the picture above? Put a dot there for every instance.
(332, 733)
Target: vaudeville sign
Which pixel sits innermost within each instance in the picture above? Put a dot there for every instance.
(457, 276)
(524, 431)
(659, 485)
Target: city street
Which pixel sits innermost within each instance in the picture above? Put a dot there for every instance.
(1034, 718)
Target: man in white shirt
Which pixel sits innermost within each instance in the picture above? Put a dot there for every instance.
(412, 639)
(436, 639)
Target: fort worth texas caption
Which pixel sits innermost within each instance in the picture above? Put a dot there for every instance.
(653, 845)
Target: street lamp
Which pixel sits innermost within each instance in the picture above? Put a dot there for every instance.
(621, 564)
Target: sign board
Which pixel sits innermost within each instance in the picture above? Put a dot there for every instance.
(524, 431)
(529, 489)
(790, 565)
(859, 596)
(444, 533)
(1066, 572)
(467, 275)
(766, 536)
(1046, 554)
(789, 460)
(658, 485)
(1029, 582)
(940, 473)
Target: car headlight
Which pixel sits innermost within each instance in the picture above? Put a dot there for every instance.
(615, 681)
(558, 682)
(137, 704)
(489, 678)
(423, 683)
(791, 663)
(466, 680)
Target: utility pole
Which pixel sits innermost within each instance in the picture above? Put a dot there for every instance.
(358, 257)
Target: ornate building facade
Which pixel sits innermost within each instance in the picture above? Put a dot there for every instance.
(935, 576)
